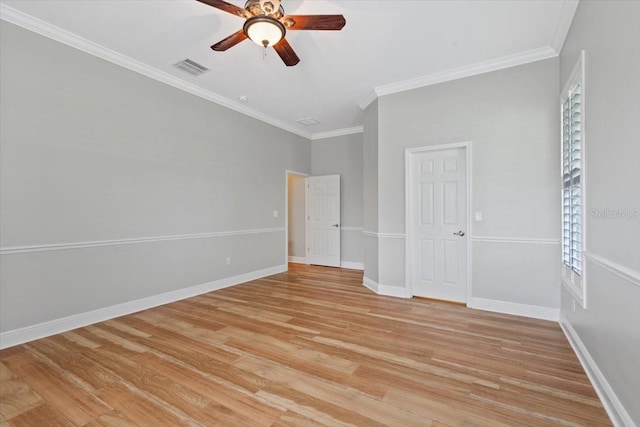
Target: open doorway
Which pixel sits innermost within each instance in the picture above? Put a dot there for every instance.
(294, 217)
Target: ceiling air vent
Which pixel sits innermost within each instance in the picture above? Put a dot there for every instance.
(309, 121)
(191, 67)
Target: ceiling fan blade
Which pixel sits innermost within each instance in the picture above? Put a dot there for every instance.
(314, 22)
(286, 53)
(230, 41)
(227, 7)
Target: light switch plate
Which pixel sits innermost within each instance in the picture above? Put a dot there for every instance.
(478, 216)
(275, 214)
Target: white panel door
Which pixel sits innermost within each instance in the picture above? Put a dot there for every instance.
(438, 215)
(323, 220)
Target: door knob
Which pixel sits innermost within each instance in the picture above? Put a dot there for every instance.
(336, 225)
(459, 233)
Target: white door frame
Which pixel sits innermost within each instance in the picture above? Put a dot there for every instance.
(408, 187)
(288, 172)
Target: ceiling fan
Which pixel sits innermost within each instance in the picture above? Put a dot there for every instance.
(266, 25)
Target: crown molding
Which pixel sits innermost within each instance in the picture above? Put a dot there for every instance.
(43, 28)
(567, 12)
(368, 100)
(337, 132)
(462, 72)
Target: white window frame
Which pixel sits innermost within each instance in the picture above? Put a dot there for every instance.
(575, 283)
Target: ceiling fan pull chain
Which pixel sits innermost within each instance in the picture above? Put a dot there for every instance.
(264, 53)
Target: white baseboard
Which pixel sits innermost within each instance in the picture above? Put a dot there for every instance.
(371, 284)
(343, 264)
(41, 330)
(393, 291)
(534, 311)
(504, 307)
(618, 414)
(386, 290)
(352, 265)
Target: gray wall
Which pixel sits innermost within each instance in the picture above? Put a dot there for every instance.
(295, 236)
(511, 116)
(370, 191)
(610, 326)
(342, 155)
(94, 152)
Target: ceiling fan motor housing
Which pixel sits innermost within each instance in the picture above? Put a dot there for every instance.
(271, 8)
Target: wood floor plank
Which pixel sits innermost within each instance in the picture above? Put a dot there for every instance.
(313, 407)
(418, 404)
(291, 419)
(68, 398)
(138, 409)
(341, 396)
(16, 396)
(410, 363)
(111, 419)
(308, 347)
(539, 404)
(74, 363)
(151, 382)
(219, 395)
(79, 340)
(282, 350)
(43, 415)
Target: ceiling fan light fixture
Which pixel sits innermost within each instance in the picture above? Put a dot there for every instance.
(264, 31)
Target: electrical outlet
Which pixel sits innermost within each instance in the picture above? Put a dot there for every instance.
(228, 260)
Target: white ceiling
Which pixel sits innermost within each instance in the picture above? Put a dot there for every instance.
(386, 46)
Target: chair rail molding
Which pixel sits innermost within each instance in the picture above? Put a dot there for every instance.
(350, 228)
(625, 273)
(384, 235)
(525, 240)
(10, 250)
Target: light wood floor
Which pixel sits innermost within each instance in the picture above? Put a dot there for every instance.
(304, 348)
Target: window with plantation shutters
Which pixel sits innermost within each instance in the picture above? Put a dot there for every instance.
(573, 183)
